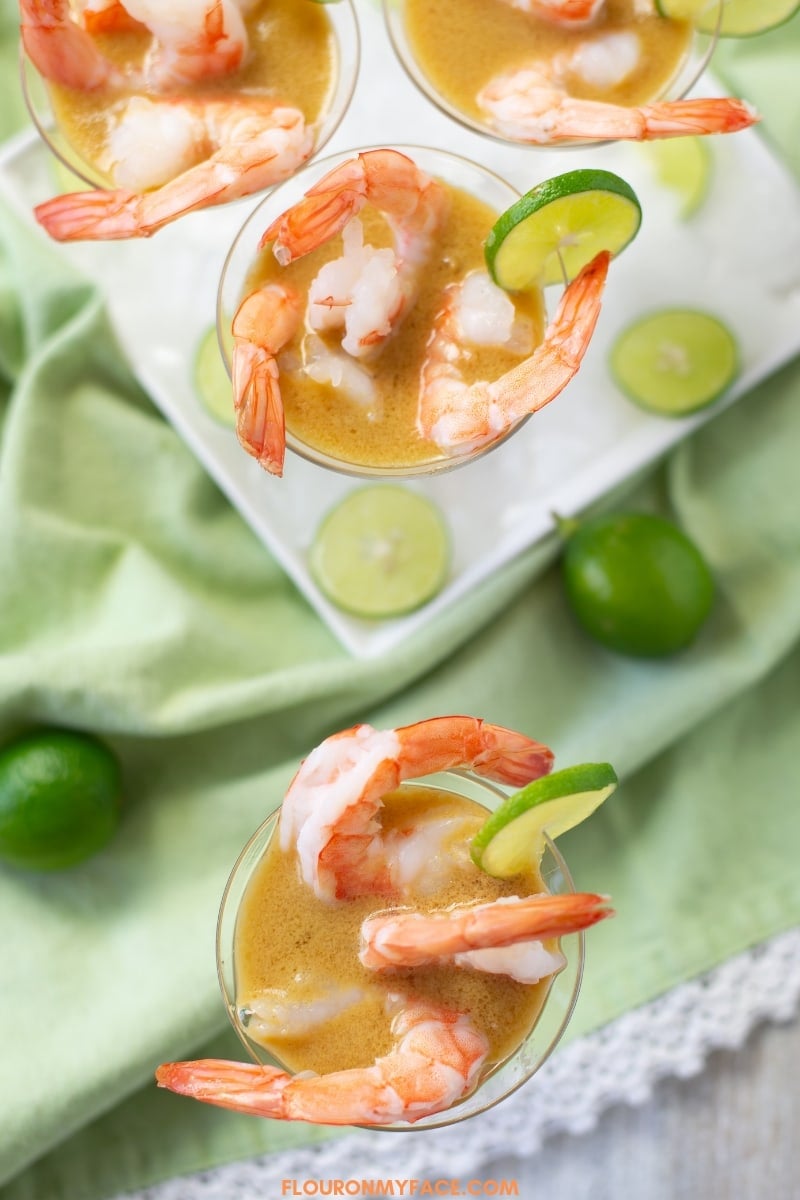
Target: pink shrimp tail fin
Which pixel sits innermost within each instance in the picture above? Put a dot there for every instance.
(558, 916)
(243, 1087)
(681, 118)
(568, 335)
(512, 758)
(309, 224)
(443, 743)
(260, 423)
(92, 216)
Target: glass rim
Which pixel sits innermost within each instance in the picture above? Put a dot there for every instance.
(455, 1114)
(347, 37)
(687, 74)
(319, 166)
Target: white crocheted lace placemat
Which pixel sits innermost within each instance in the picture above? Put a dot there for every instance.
(620, 1063)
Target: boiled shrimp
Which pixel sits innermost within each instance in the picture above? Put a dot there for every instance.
(435, 1060)
(61, 50)
(264, 322)
(457, 416)
(532, 103)
(194, 153)
(414, 206)
(477, 935)
(572, 14)
(329, 814)
(193, 40)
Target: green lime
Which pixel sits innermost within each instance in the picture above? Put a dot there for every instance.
(740, 18)
(636, 583)
(513, 836)
(382, 551)
(60, 799)
(682, 164)
(559, 226)
(675, 361)
(211, 379)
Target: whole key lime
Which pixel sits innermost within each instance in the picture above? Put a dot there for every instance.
(60, 799)
(636, 582)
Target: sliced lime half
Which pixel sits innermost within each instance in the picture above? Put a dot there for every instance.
(683, 165)
(559, 226)
(382, 551)
(740, 18)
(211, 380)
(513, 837)
(675, 361)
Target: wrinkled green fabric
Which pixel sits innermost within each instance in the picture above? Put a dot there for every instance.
(136, 603)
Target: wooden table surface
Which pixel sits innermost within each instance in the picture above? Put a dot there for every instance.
(730, 1133)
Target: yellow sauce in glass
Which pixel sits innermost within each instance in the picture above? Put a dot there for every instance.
(292, 57)
(287, 939)
(460, 48)
(385, 435)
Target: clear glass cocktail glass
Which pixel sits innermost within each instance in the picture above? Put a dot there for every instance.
(346, 47)
(460, 172)
(689, 70)
(503, 1078)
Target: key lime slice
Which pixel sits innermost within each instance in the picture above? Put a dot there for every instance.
(211, 379)
(740, 18)
(675, 361)
(683, 165)
(559, 226)
(381, 552)
(513, 836)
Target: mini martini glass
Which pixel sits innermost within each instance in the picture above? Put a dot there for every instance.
(502, 71)
(554, 1004)
(75, 124)
(378, 415)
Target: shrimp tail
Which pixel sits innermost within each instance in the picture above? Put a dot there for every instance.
(260, 423)
(320, 215)
(443, 743)
(243, 1087)
(412, 939)
(683, 118)
(90, 216)
(534, 383)
(264, 322)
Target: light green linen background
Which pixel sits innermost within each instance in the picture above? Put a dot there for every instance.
(136, 603)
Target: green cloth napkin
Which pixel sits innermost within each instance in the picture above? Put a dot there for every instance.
(136, 603)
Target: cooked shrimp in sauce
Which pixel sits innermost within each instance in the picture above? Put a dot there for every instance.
(384, 972)
(560, 71)
(407, 353)
(178, 107)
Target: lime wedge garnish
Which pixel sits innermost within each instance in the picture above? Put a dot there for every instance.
(212, 380)
(559, 226)
(382, 551)
(740, 18)
(675, 361)
(513, 837)
(683, 165)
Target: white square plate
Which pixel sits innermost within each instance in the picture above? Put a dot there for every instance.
(738, 257)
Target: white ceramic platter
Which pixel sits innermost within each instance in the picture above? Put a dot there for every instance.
(738, 257)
